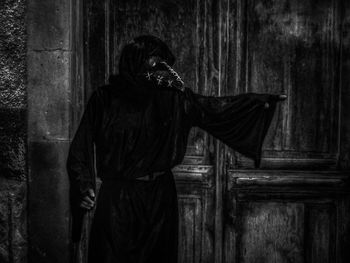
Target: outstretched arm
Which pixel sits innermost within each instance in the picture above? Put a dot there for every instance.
(241, 121)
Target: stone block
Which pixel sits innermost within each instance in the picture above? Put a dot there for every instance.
(48, 202)
(48, 25)
(48, 95)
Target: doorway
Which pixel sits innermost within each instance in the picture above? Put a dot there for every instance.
(295, 208)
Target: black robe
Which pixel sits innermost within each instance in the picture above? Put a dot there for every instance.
(137, 132)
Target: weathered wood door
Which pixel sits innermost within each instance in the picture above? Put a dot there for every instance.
(295, 208)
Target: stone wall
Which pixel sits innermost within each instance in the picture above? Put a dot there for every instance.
(13, 131)
(49, 56)
(35, 81)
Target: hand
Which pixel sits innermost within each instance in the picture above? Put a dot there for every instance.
(88, 200)
(282, 97)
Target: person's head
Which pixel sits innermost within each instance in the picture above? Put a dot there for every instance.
(142, 53)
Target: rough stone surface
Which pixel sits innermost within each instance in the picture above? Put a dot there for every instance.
(13, 135)
(12, 53)
(13, 221)
(13, 143)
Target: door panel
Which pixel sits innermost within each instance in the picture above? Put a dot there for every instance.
(284, 213)
(287, 216)
(196, 206)
(271, 232)
(189, 226)
(286, 232)
(292, 47)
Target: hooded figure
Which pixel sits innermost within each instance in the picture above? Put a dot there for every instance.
(134, 131)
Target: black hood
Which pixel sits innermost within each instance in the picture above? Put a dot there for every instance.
(135, 54)
(132, 64)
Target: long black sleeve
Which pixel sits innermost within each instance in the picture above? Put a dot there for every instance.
(80, 162)
(241, 121)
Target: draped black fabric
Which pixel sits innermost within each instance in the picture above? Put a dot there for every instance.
(136, 131)
(240, 121)
(135, 221)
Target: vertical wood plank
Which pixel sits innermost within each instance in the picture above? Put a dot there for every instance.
(319, 237)
(94, 45)
(290, 47)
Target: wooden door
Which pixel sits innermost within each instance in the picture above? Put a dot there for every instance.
(296, 207)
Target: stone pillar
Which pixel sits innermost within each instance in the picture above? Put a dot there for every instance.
(49, 55)
(13, 119)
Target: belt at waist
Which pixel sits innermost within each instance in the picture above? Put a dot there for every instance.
(150, 176)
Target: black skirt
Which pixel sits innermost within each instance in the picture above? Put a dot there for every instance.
(135, 222)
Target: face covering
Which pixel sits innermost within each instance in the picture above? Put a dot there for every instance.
(145, 65)
(160, 75)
